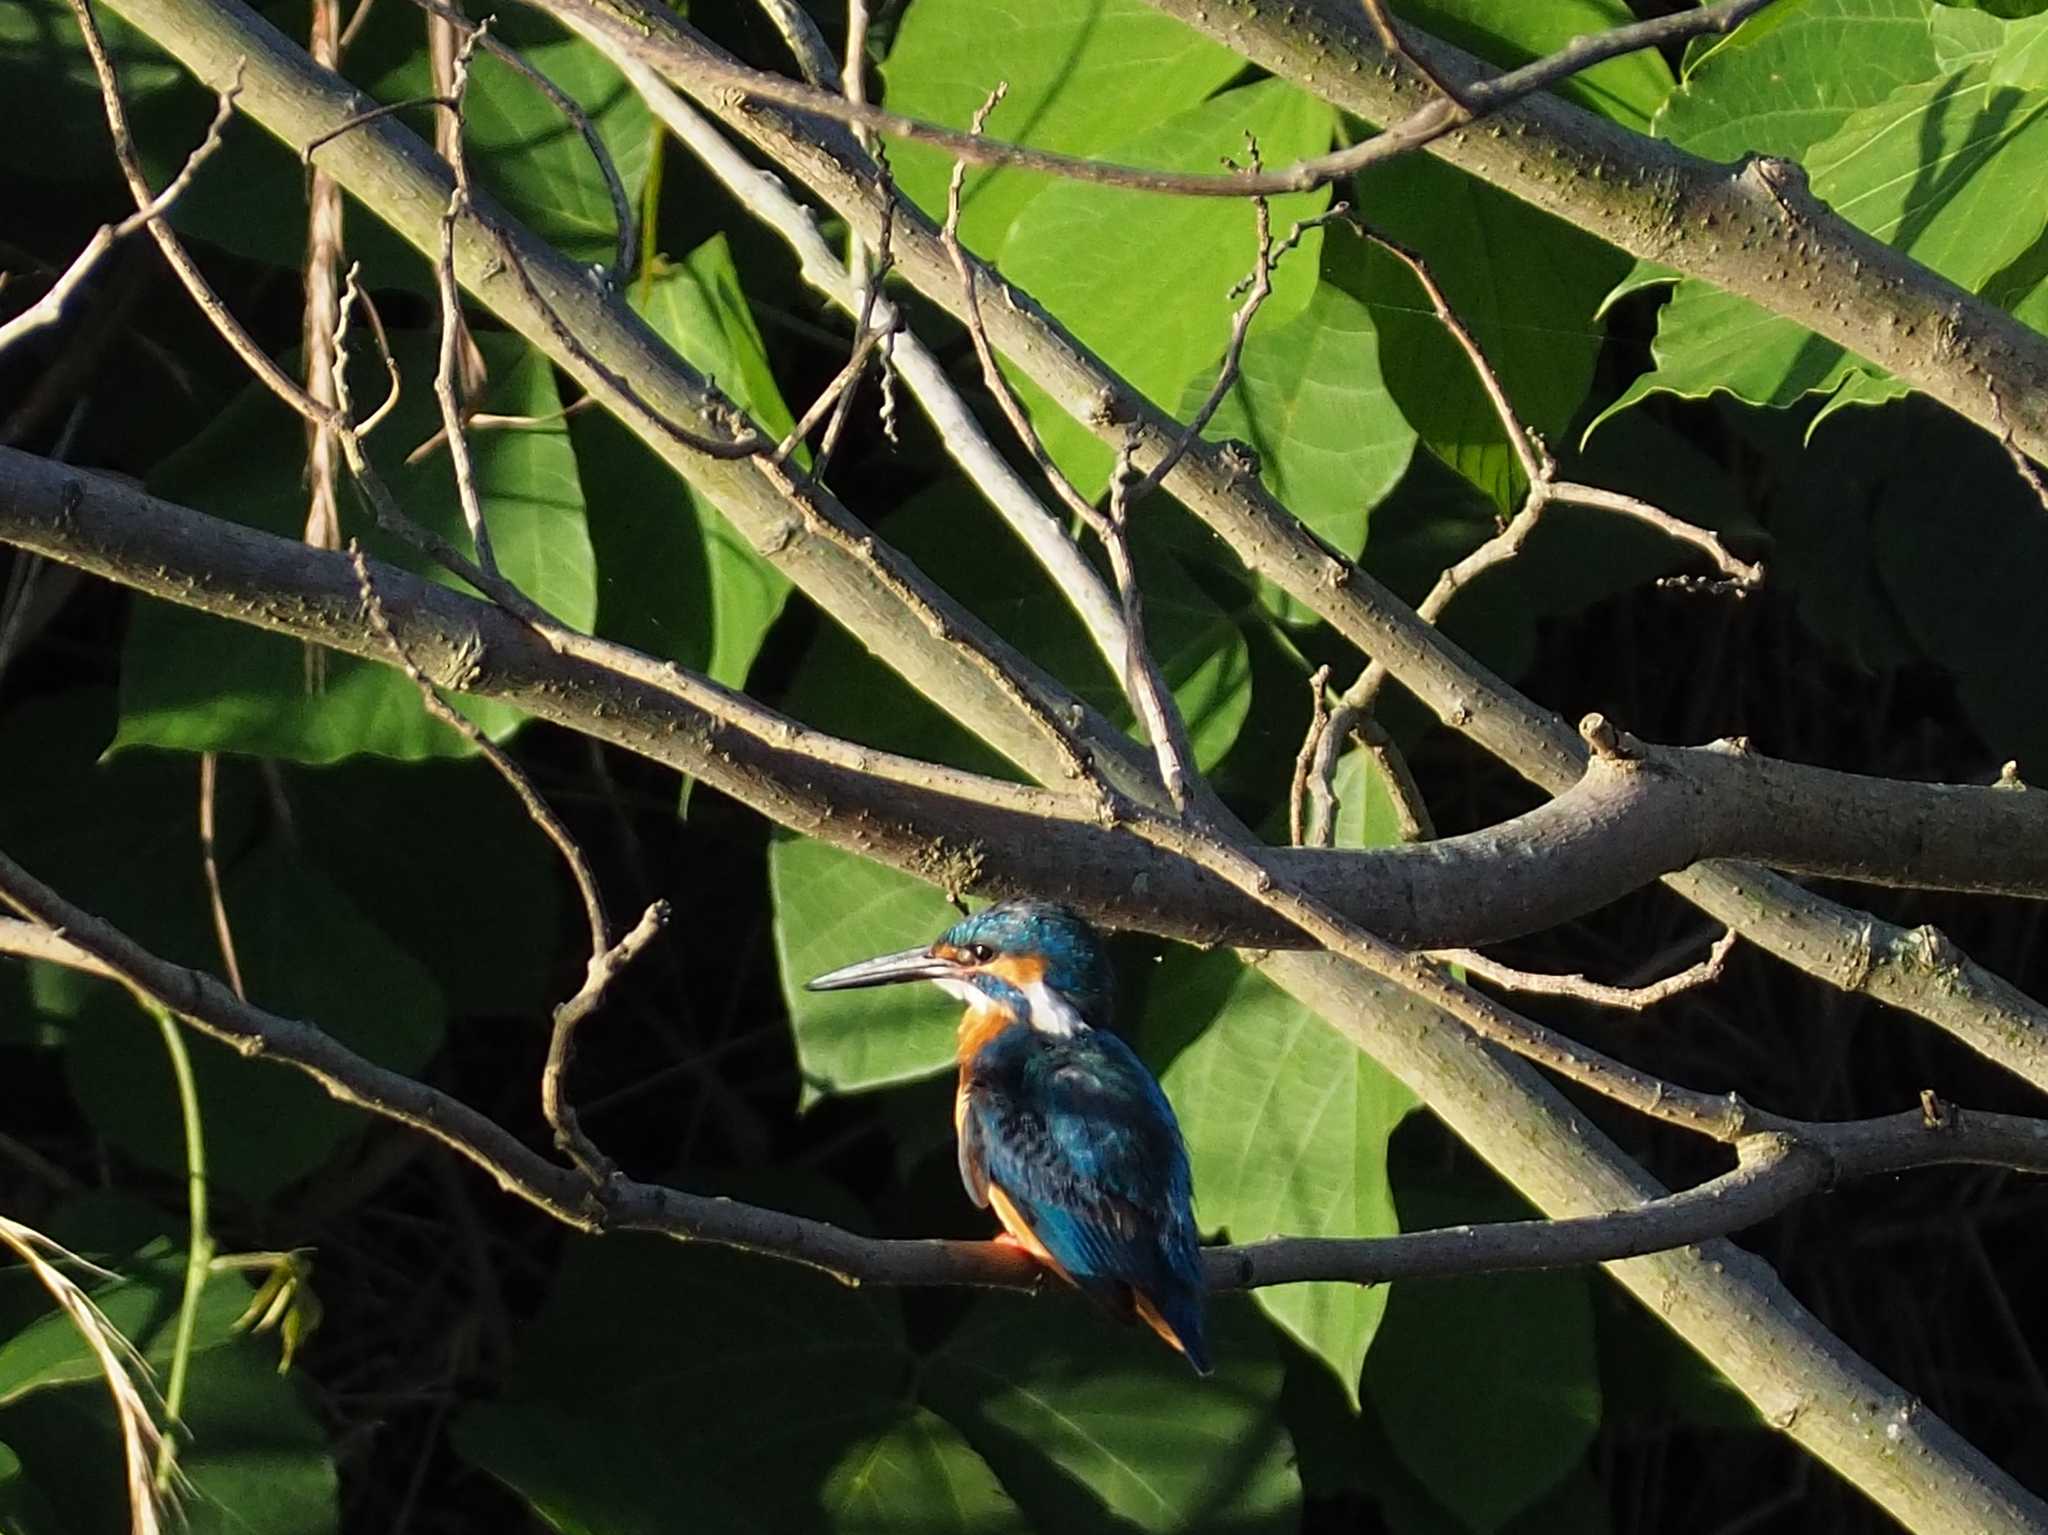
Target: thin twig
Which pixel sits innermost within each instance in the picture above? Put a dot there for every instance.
(605, 961)
(447, 388)
(1151, 699)
(244, 345)
(325, 223)
(1577, 987)
(626, 253)
(1260, 285)
(536, 807)
(991, 371)
(1034, 523)
(1422, 127)
(830, 399)
(487, 421)
(224, 934)
(1390, 39)
(604, 966)
(363, 119)
(1303, 786)
(49, 309)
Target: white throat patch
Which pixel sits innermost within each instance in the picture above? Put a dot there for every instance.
(1052, 1013)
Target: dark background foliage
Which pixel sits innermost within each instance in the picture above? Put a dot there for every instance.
(478, 1367)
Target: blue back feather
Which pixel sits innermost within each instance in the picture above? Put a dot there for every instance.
(1079, 1137)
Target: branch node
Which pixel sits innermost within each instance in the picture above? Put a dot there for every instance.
(1606, 741)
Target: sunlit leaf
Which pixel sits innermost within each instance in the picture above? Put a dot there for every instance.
(832, 908)
(675, 579)
(1627, 89)
(1079, 76)
(1287, 1126)
(1525, 284)
(1082, 250)
(1311, 402)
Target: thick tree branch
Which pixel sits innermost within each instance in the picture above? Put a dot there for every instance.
(1776, 1169)
(1777, 916)
(1751, 229)
(1779, 1356)
(1636, 813)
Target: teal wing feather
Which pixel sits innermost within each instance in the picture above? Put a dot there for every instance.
(1078, 1136)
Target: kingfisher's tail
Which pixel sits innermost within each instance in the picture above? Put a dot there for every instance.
(1176, 1315)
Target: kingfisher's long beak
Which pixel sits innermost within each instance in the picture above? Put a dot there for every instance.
(886, 970)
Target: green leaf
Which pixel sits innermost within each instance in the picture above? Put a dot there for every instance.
(456, 872)
(1286, 1125)
(759, 1395)
(1081, 76)
(1525, 284)
(1793, 75)
(1486, 1386)
(24, 1510)
(256, 1461)
(677, 581)
(1627, 89)
(605, 1427)
(304, 953)
(1311, 402)
(1943, 169)
(142, 1304)
(1199, 645)
(1365, 814)
(2022, 58)
(198, 683)
(1083, 250)
(832, 908)
(251, 198)
(526, 153)
(1094, 1427)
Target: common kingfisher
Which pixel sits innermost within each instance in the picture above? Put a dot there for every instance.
(1061, 1127)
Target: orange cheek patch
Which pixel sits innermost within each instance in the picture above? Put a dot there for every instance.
(1021, 970)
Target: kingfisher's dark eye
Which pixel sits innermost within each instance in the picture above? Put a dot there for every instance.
(981, 953)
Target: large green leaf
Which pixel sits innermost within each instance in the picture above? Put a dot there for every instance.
(1628, 89)
(1944, 169)
(2022, 57)
(1311, 402)
(769, 1397)
(256, 1462)
(1286, 1125)
(204, 684)
(1094, 1427)
(1787, 78)
(1198, 642)
(1795, 74)
(1525, 284)
(676, 580)
(305, 953)
(1487, 1386)
(1083, 250)
(526, 153)
(252, 198)
(832, 908)
(142, 1304)
(1080, 76)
